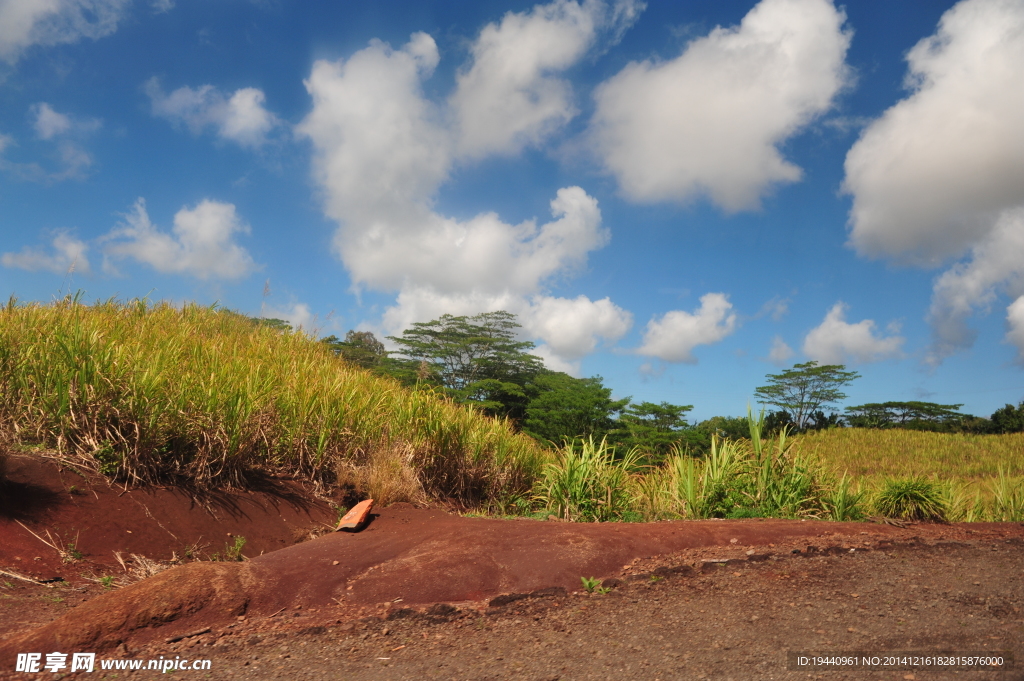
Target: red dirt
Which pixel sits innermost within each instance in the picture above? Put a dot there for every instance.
(405, 556)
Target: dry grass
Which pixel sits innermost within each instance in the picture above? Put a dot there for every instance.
(195, 395)
(872, 455)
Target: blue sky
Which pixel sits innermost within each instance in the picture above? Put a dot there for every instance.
(679, 196)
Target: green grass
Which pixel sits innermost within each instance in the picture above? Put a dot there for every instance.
(196, 395)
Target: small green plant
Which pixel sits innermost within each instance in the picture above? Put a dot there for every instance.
(107, 581)
(911, 498)
(1007, 497)
(233, 552)
(593, 585)
(72, 554)
(654, 579)
(842, 502)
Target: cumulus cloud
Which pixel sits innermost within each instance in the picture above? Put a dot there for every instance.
(1015, 322)
(710, 122)
(836, 341)
(780, 352)
(297, 314)
(568, 328)
(930, 176)
(201, 243)
(381, 152)
(673, 337)
(68, 254)
(24, 23)
(941, 173)
(240, 117)
(996, 265)
(48, 122)
(510, 95)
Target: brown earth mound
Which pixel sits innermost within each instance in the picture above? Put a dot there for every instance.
(405, 556)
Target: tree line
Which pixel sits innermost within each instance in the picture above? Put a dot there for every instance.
(479, 360)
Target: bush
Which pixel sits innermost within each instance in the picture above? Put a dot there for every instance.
(912, 499)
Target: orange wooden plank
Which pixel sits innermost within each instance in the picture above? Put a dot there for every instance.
(356, 515)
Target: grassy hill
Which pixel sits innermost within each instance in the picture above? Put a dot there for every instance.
(155, 393)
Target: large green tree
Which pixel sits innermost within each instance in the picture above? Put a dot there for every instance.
(806, 389)
(654, 428)
(360, 348)
(912, 415)
(563, 408)
(1009, 419)
(475, 359)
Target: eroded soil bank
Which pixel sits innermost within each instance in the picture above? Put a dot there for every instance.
(420, 593)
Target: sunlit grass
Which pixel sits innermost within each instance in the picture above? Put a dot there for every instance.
(872, 455)
(150, 392)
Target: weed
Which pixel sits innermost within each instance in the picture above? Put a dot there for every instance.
(1007, 497)
(587, 482)
(654, 579)
(107, 581)
(843, 502)
(232, 552)
(911, 498)
(593, 585)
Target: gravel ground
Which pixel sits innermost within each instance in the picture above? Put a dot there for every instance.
(674, 618)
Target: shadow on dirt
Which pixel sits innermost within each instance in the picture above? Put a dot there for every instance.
(24, 501)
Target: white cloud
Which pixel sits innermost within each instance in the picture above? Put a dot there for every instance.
(381, 151)
(68, 255)
(48, 122)
(24, 23)
(297, 314)
(675, 335)
(509, 95)
(1015, 321)
(996, 264)
(835, 341)
(780, 352)
(240, 118)
(710, 122)
(161, 6)
(201, 243)
(568, 329)
(930, 176)
(571, 328)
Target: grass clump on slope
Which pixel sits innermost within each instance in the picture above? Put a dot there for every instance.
(154, 393)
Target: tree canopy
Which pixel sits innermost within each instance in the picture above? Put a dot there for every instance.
(474, 359)
(653, 428)
(563, 408)
(359, 347)
(903, 414)
(806, 389)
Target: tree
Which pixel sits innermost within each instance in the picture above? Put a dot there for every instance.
(912, 415)
(654, 428)
(1009, 419)
(360, 348)
(564, 408)
(474, 359)
(805, 389)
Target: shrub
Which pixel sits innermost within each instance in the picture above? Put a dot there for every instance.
(911, 498)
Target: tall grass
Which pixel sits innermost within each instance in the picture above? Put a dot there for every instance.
(873, 455)
(150, 392)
